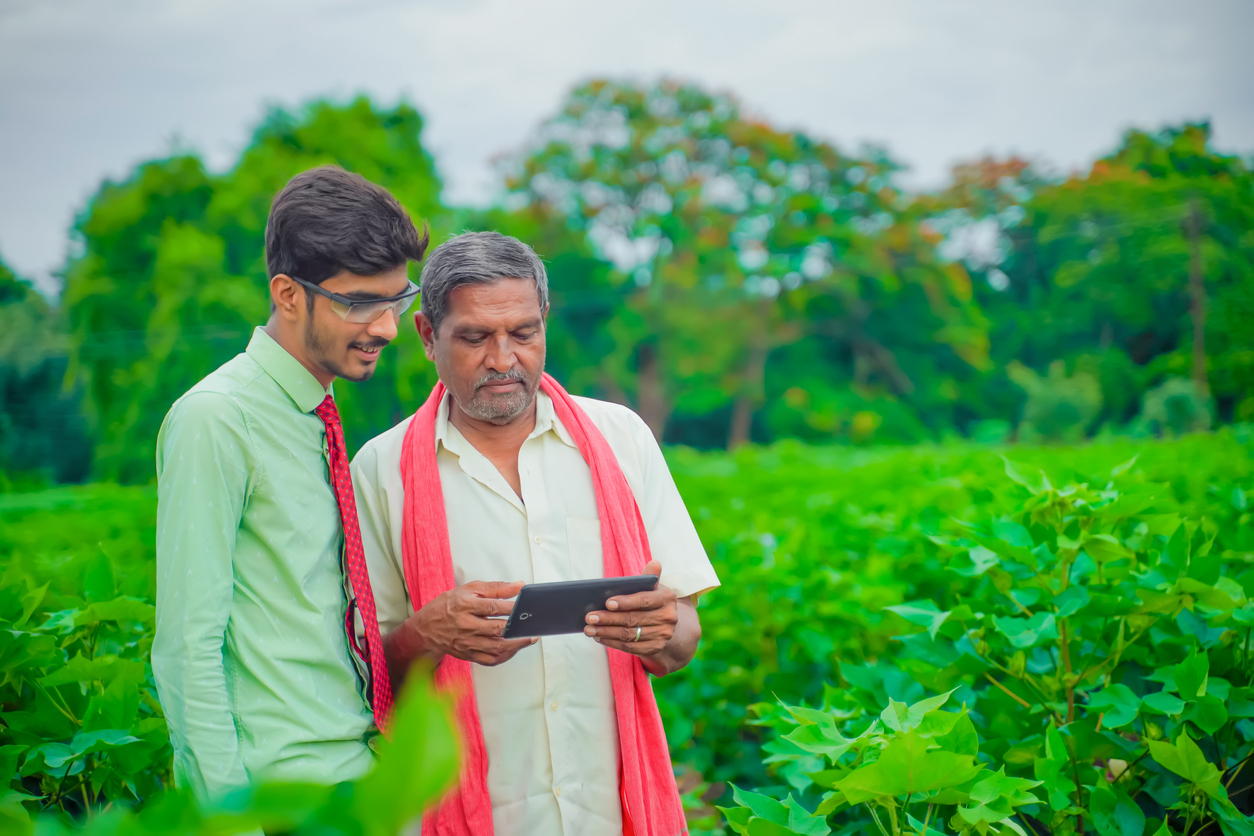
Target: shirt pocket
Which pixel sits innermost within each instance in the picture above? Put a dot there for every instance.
(583, 545)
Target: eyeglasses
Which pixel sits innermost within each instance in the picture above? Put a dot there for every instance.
(364, 310)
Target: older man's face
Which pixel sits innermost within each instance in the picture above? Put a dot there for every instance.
(489, 350)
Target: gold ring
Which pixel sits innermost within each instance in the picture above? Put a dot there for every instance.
(637, 638)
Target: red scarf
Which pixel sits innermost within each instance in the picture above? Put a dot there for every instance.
(651, 805)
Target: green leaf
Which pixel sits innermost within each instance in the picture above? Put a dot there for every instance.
(922, 613)
(762, 806)
(1071, 600)
(1025, 633)
(976, 561)
(1208, 713)
(401, 786)
(1114, 813)
(1104, 548)
(104, 669)
(119, 609)
(1186, 760)
(99, 580)
(737, 817)
(900, 717)
(1131, 502)
(1125, 466)
(1118, 704)
(1162, 702)
(1190, 675)
(962, 739)
(1016, 475)
(906, 767)
(995, 796)
(820, 740)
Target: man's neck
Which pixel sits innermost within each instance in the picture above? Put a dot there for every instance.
(494, 440)
(293, 345)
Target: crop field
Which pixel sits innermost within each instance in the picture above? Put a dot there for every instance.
(929, 639)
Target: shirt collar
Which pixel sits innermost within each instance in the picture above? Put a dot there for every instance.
(296, 380)
(546, 421)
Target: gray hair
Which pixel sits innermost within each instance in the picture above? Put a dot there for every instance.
(477, 258)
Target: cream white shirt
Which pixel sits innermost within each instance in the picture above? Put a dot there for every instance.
(548, 714)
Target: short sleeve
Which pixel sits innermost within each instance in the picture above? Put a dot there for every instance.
(377, 491)
(673, 539)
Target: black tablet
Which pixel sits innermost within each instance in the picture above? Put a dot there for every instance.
(549, 609)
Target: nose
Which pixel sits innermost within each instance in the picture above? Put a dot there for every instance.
(500, 356)
(384, 327)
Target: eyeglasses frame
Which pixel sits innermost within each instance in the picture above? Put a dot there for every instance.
(348, 301)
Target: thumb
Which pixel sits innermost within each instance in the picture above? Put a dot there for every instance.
(653, 567)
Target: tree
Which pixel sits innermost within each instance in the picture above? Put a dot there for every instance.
(171, 276)
(1137, 270)
(729, 239)
(42, 433)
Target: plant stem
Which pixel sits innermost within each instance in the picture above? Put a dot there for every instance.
(1237, 771)
(1008, 692)
(1066, 663)
(1079, 788)
(927, 818)
(871, 809)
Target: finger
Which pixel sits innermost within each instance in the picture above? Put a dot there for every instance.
(651, 600)
(653, 567)
(495, 589)
(487, 606)
(629, 635)
(640, 648)
(630, 618)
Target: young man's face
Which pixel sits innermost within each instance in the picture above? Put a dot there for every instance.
(489, 350)
(350, 349)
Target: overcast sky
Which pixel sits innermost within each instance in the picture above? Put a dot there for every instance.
(88, 88)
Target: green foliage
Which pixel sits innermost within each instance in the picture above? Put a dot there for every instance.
(82, 725)
(1175, 407)
(42, 433)
(1097, 634)
(852, 567)
(416, 767)
(1098, 265)
(734, 243)
(1059, 407)
(171, 275)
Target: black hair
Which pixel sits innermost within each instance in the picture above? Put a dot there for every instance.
(327, 220)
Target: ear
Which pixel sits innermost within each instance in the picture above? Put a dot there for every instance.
(287, 296)
(427, 333)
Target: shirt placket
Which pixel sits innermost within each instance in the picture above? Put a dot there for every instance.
(550, 562)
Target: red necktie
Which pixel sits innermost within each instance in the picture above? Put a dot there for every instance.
(355, 558)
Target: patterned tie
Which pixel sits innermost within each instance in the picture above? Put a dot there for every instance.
(355, 557)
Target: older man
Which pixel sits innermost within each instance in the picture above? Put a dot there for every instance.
(563, 737)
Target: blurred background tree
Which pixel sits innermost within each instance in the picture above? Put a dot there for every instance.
(730, 280)
(43, 436)
(741, 253)
(171, 278)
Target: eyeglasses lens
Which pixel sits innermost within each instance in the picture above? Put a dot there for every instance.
(370, 311)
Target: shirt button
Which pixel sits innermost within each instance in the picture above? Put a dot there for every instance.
(557, 791)
(553, 705)
(537, 538)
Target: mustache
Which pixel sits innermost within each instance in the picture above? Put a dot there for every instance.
(493, 377)
(371, 344)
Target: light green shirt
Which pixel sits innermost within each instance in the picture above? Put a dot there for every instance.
(250, 656)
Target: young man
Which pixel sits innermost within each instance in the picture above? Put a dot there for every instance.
(258, 551)
(503, 478)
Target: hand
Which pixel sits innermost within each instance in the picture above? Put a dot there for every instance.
(458, 623)
(655, 613)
